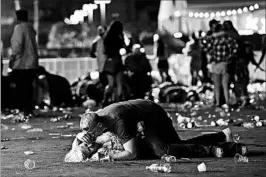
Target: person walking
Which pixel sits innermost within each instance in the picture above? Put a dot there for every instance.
(24, 61)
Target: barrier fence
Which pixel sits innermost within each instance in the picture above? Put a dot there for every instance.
(72, 68)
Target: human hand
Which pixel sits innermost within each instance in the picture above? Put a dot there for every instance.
(84, 137)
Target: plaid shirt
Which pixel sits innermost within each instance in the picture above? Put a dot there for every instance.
(220, 48)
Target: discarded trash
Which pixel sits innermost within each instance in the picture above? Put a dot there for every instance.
(258, 124)
(182, 125)
(185, 159)
(54, 134)
(34, 130)
(3, 147)
(163, 168)
(202, 167)
(28, 152)
(4, 139)
(236, 137)
(190, 124)
(69, 123)
(69, 135)
(60, 127)
(256, 118)
(213, 123)
(168, 158)
(29, 164)
(25, 126)
(239, 158)
(18, 138)
(248, 125)
(54, 119)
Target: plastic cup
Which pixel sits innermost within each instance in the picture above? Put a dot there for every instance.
(202, 167)
(29, 164)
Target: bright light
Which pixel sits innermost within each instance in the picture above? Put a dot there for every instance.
(239, 11)
(178, 35)
(155, 37)
(229, 12)
(218, 14)
(212, 15)
(94, 75)
(223, 13)
(256, 6)
(251, 8)
(245, 9)
(206, 15)
(196, 15)
(102, 1)
(87, 7)
(177, 13)
(122, 51)
(201, 14)
(203, 34)
(251, 23)
(234, 12)
(190, 14)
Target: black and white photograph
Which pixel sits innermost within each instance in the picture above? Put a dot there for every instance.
(133, 88)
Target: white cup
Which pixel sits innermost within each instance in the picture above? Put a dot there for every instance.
(202, 167)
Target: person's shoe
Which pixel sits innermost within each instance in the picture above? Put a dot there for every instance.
(216, 151)
(228, 135)
(218, 109)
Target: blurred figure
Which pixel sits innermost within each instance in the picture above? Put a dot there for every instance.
(242, 74)
(113, 66)
(138, 67)
(163, 65)
(193, 49)
(263, 52)
(221, 48)
(206, 78)
(97, 50)
(229, 28)
(24, 61)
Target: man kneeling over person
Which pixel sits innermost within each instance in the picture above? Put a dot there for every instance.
(159, 136)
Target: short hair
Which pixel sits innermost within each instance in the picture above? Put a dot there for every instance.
(212, 22)
(22, 15)
(89, 120)
(218, 28)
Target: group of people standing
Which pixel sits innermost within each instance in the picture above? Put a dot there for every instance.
(224, 55)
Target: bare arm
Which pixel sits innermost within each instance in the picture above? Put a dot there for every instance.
(129, 153)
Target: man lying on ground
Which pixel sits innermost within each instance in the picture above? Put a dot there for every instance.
(160, 137)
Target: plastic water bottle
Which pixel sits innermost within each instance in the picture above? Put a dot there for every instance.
(239, 158)
(162, 168)
(29, 164)
(168, 158)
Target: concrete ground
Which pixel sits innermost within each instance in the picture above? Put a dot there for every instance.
(49, 151)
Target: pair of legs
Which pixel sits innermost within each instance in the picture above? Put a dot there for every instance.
(23, 80)
(163, 67)
(221, 79)
(161, 138)
(113, 80)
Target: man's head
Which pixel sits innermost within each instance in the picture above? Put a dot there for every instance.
(101, 30)
(212, 24)
(90, 122)
(22, 15)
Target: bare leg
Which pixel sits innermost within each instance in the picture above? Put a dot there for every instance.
(225, 84)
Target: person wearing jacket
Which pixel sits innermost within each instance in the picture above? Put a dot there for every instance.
(24, 61)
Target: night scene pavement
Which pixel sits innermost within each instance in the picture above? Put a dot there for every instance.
(49, 150)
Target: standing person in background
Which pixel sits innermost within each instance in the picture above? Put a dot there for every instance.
(24, 61)
(222, 49)
(163, 65)
(113, 66)
(242, 73)
(193, 49)
(97, 50)
(263, 52)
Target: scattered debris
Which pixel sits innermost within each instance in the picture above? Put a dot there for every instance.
(34, 130)
(29, 164)
(29, 152)
(202, 167)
